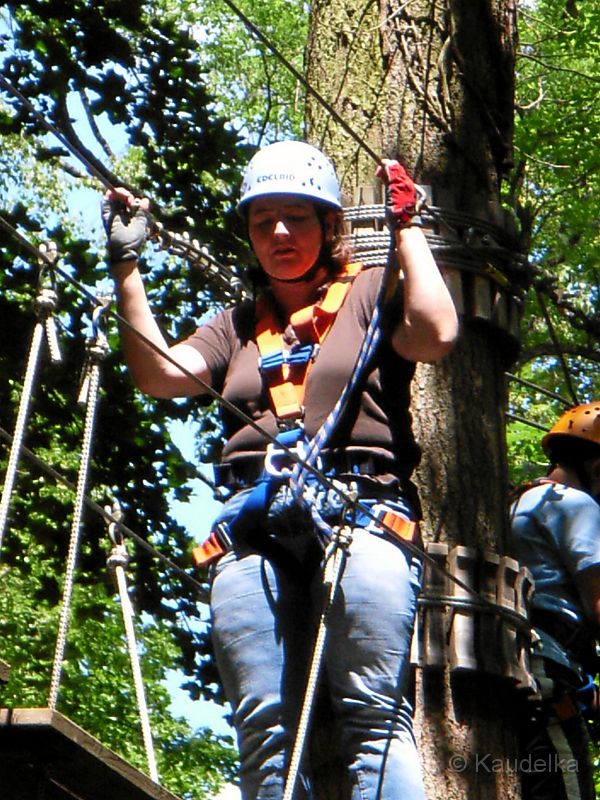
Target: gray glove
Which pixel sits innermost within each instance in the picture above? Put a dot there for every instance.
(127, 230)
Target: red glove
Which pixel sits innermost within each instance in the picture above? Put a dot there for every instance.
(401, 195)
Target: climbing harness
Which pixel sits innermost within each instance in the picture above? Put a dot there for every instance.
(117, 563)
(290, 452)
(285, 372)
(44, 306)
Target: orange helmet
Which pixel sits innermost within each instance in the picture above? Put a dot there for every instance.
(580, 422)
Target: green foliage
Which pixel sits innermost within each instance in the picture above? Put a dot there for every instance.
(556, 188)
(104, 74)
(260, 96)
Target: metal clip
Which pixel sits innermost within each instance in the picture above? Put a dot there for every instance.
(119, 557)
(274, 452)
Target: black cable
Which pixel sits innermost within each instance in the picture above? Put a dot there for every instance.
(517, 418)
(298, 75)
(331, 485)
(107, 516)
(92, 169)
(558, 348)
(538, 388)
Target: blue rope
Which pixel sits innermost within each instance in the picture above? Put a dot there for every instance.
(299, 473)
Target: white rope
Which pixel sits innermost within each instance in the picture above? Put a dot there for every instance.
(59, 652)
(334, 563)
(44, 305)
(117, 562)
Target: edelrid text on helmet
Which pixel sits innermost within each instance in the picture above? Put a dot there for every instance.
(291, 168)
(581, 422)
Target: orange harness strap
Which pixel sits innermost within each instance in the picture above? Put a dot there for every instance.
(287, 382)
(312, 324)
(403, 528)
(212, 548)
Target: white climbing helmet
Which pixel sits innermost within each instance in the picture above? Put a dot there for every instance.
(291, 168)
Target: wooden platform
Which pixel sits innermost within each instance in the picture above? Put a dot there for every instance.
(44, 754)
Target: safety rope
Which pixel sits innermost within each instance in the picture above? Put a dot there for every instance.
(227, 280)
(117, 563)
(335, 560)
(536, 387)
(97, 352)
(264, 39)
(44, 305)
(558, 348)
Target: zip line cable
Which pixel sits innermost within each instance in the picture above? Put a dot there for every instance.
(208, 389)
(91, 168)
(536, 387)
(172, 240)
(557, 347)
(299, 77)
(531, 423)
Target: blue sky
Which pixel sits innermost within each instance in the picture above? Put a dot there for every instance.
(196, 516)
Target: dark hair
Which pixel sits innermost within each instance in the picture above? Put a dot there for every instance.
(571, 451)
(337, 251)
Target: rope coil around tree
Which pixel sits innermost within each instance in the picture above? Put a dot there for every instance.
(485, 273)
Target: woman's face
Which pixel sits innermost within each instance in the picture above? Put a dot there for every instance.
(286, 235)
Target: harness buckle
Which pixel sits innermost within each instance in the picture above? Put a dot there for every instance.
(275, 453)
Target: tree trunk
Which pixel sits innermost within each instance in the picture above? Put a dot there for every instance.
(431, 82)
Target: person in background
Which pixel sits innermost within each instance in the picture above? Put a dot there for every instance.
(555, 531)
(283, 358)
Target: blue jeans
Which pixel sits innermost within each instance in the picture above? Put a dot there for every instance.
(263, 628)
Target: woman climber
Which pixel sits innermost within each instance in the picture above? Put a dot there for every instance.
(284, 359)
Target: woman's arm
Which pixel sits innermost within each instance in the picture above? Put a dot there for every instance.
(429, 326)
(126, 221)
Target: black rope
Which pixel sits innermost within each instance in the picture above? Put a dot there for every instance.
(360, 141)
(517, 418)
(92, 169)
(538, 388)
(298, 75)
(206, 387)
(325, 481)
(173, 241)
(558, 348)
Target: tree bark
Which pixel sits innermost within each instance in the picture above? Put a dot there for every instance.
(431, 82)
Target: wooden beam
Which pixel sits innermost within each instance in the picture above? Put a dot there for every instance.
(44, 754)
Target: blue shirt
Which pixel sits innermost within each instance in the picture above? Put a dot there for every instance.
(556, 534)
